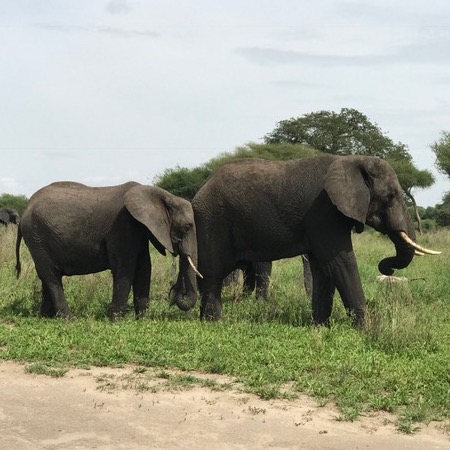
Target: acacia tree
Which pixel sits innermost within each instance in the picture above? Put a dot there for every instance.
(350, 132)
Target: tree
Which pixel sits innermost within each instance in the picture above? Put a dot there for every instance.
(442, 211)
(346, 133)
(409, 177)
(351, 133)
(17, 202)
(441, 149)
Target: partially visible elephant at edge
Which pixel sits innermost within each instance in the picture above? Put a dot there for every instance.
(73, 229)
(259, 210)
(9, 215)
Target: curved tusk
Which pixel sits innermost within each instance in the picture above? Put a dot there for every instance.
(416, 246)
(417, 253)
(191, 263)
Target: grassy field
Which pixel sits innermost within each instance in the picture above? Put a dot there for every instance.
(399, 363)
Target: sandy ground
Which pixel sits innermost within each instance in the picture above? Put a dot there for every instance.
(105, 408)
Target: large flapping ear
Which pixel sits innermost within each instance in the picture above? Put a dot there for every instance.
(146, 204)
(345, 184)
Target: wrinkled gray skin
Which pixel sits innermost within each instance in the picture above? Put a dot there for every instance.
(73, 229)
(298, 207)
(9, 215)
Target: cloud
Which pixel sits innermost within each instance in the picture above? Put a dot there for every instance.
(118, 7)
(426, 51)
(54, 154)
(113, 31)
(120, 32)
(272, 57)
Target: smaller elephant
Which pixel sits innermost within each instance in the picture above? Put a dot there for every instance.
(73, 229)
(9, 215)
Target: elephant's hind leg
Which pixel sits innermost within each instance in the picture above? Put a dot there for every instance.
(322, 293)
(53, 300)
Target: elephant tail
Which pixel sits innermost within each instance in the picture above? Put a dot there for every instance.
(18, 241)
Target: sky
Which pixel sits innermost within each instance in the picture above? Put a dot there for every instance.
(107, 91)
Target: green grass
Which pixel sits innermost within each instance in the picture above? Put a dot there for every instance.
(399, 363)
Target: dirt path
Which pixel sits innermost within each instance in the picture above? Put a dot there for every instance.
(105, 408)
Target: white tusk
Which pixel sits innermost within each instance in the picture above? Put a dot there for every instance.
(417, 253)
(193, 267)
(416, 246)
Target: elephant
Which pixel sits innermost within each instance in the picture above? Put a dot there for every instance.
(74, 229)
(9, 215)
(260, 210)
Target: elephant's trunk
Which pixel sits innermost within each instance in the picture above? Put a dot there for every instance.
(403, 257)
(184, 292)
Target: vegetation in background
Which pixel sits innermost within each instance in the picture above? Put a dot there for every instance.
(17, 202)
(399, 363)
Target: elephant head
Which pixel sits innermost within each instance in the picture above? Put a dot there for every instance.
(9, 215)
(170, 220)
(367, 190)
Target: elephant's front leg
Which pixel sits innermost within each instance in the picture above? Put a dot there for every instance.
(348, 282)
(323, 289)
(121, 290)
(141, 284)
(211, 306)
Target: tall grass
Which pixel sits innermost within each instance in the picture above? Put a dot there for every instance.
(400, 361)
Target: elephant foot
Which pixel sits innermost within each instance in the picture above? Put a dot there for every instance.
(211, 312)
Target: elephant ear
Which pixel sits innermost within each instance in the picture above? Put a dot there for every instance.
(147, 205)
(347, 186)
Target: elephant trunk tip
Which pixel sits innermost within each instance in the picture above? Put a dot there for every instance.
(180, 297)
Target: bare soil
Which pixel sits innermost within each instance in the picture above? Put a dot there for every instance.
(109, 408)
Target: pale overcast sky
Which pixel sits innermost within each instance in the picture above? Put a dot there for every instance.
(105, 91)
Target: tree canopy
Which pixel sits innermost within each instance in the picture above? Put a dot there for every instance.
(348, 132)
(441, 149)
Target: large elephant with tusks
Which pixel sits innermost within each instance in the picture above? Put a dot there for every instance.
(259, 210)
